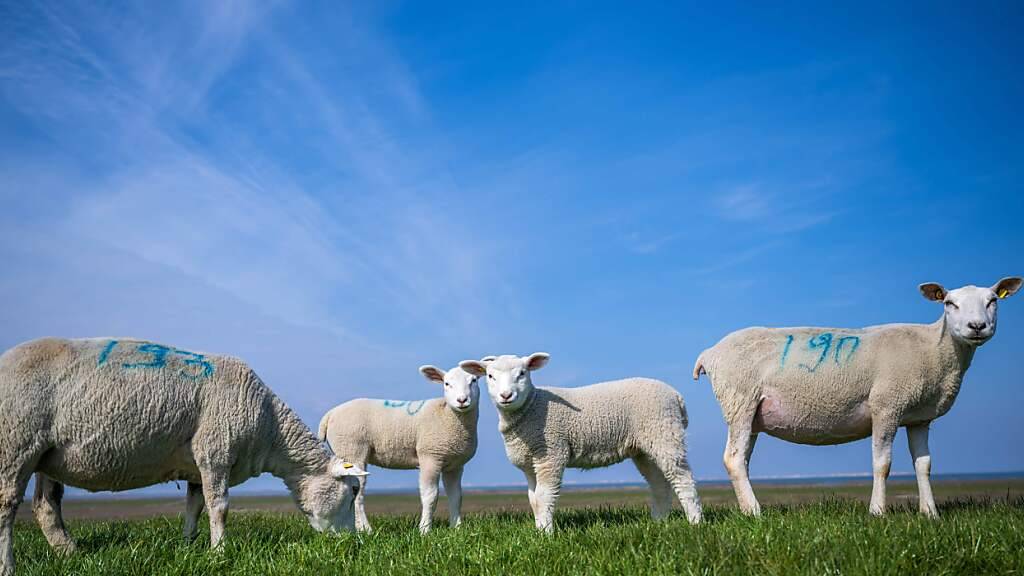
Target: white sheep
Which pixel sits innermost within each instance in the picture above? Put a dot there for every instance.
(548, 429)
(831, 386)
(117, 414)
(438, 436)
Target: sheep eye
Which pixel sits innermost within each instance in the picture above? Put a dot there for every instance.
(952, 304)
(355, 490)
(991, 302)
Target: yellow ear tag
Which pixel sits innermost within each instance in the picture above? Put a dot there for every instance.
(1003, 293)
(347, 465)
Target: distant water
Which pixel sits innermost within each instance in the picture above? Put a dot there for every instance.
(170, 491)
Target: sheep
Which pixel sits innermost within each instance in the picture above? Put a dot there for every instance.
(548, 429)
(438, 436)
(117, 414)
(831, 386)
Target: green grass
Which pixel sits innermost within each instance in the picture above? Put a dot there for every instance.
(828, 537)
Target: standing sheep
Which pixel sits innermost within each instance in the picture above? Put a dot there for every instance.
(104, 414)
(549, 429)
(438, 436)
(831, 386)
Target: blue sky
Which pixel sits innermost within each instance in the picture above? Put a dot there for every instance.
(339, 194)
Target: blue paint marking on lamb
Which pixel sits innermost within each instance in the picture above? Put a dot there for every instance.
(196, 365)
(854, 342)
(411, 408)
(824, 344)
(158, 353)
(785, 350)
(196, 359)
(106, 352)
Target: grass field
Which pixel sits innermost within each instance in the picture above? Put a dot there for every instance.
(805, 530)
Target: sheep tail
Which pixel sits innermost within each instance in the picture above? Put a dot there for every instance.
(698, 368)
(323, 427)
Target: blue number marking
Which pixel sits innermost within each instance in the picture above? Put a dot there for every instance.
(158, 352)
(823, 341)
(785, 351)
(411, 408)
(195, 359)
(854, 344)
(106, 352)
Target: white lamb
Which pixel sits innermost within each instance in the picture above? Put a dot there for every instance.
(104, 414)
(549, 429)
(438, 436)
(830, 385)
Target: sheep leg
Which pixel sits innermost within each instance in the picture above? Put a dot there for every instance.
(193, 508)
(661, 490)
(917, 437)
(362, 522)
(531, 492)
(738, 449)
(882, 434)
(677, 471)
(46, 506)
(453, 489)
(429, 476)
(10, 498)
(549, 486)
(215, 492)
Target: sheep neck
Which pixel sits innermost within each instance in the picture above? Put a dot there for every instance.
(955, 358)
(295, 452)
(508, 421)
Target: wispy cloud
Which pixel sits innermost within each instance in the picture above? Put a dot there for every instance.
(236, 216)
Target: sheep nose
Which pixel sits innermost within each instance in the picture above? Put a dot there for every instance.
(506, 395)
(977, 326)
(462, 399)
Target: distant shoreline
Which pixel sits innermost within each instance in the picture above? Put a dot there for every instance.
(777, 481)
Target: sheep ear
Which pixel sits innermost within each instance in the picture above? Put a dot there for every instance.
(933, 291)
(339, 469)
(473, 367)
(1007, 286)
(537, 360)
(486, 359)
(432, 373)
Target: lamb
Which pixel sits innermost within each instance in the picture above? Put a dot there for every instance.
(117, 414)
(548, 429)
(831, 386)
(438, 436)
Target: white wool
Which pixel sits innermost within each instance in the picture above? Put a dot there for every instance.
(438, 436)
(549, 429)
(833, 385)
(117, 414)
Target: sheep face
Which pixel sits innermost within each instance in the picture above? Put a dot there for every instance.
(508, 377)
(971, 311)
(328, 498)
(461, 391)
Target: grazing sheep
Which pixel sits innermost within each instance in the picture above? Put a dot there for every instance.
(438, 436)
(549, 429)
(104, 414)
(831, 386)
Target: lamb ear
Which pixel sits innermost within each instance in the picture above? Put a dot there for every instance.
(474, 367)
(1007, 286)
(432, 373)
(933, 291)
(537, 360)
(339, 469)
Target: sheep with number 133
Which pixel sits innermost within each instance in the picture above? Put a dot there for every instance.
(104, 414)
(830, 386)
